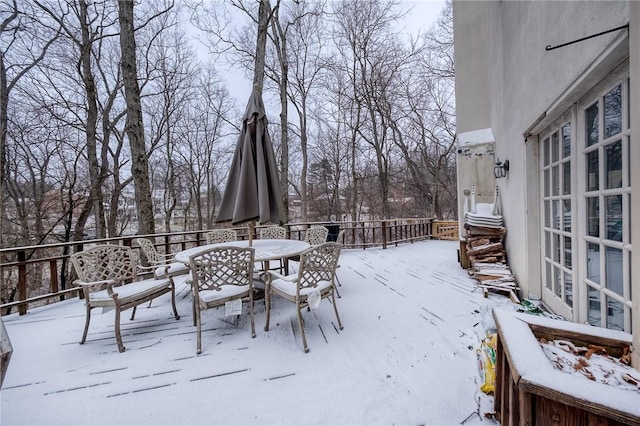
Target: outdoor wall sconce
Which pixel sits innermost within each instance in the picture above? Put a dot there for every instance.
(501, 169)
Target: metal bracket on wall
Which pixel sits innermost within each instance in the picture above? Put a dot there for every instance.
(549, 47)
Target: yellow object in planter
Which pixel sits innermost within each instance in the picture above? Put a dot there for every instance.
(487, 360)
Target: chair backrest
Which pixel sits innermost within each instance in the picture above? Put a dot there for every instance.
(221, 236)
(273, 233)
(222, 266)
(105, 262)
(316, 235)
(317, 264)
(149, 251)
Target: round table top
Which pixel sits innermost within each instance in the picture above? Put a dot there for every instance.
(264, 249)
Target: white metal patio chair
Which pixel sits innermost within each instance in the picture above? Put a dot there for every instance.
(108, 275)
(274, 232)
(164, 265)
(315, 235)
(221, 275)
(221, 236)
(313, 282)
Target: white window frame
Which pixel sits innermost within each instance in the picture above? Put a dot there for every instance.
(575, 116)
(557, 303)
(619, 76)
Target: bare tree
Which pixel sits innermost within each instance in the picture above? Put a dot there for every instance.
(134, 125)
(24, 41)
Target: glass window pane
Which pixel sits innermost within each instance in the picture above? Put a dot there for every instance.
(546, 183)
(567, 252)
(557, 285)
(548, 281)
(567, 215)
(545, 149)
(613, 111)
(547, 244)
(556, 247)
(613, 217)
(566, 178)
(615, 314)
(592, 171)
(556, 214)
(568, 289)
(555, 147)
(593, 217)
(613, 165)
(566, 140)
(613, 267)
(593, 308)
(593, 262)
(592, 124)
(547, 219)
(555, 180)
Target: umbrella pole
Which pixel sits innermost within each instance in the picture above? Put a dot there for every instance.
(252, 226)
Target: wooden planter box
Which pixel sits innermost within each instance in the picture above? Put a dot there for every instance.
(531, 391)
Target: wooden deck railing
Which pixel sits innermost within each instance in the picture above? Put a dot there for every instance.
(37, 275)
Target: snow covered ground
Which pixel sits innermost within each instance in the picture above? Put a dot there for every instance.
(407, 355)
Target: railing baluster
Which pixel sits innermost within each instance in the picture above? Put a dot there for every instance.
(22, 281)
(53, 275)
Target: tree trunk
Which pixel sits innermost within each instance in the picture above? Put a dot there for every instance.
(134, 126)
(261, 44)
(95, 193)
(280, 41)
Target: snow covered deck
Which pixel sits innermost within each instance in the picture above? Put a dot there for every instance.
(406, 355)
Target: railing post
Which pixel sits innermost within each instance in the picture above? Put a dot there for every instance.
(22, 281)
(167, 244)
(53, 267)
(384, 234)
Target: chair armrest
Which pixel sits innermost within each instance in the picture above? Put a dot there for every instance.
(167, 256)
(141, 269)
(151, 269)
(280, 276)
(88, 286)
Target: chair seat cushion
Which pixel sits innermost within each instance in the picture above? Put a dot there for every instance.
(288, 287)
(131, 291)
(226, 291)
(175, 268)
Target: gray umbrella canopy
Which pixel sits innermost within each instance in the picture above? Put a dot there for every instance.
(253, 187)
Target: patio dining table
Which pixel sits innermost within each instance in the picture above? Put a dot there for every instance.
(265, 250)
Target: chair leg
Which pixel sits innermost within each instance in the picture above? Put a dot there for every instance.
(193, 311)
(267, 303)
(335, 309)
(121, 347)
(173, 300)
(86, 324)
(336, 287)
(198, 331)
(301, 324)
(253, 324)
(133, 313)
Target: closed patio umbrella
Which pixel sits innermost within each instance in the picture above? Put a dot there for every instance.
(253, 189)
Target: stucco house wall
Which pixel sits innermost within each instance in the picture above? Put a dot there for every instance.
(506, 81)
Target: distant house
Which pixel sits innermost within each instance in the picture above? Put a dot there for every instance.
(565, 113)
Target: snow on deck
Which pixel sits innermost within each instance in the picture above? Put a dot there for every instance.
(406, 355)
